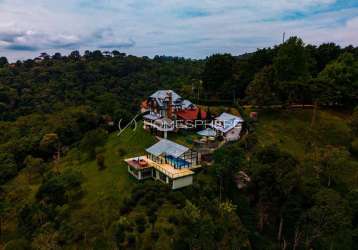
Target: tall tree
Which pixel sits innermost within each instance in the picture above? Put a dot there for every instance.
(218, 74)
(291, 64)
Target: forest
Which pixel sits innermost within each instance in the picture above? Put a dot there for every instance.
(61, 181)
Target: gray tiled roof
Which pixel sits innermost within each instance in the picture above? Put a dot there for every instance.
(167, 147)
(161, 95)
(225, 122)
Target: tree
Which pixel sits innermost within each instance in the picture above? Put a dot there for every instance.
(328, 223)
(332, 161)
(57, 56)
(263, 90)
(354, 123)
(354, 147)
(3, 61)
(4, 209)
(338, 81)
(290, 64)
(75, 55)
(60, 189)
(228, 160)
(91, 140)
(8, 167)
(50, 144)
(218, 73)
(100, 161)
(34, 165)
(326, 53)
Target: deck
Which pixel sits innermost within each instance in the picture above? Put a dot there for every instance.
(166, 169)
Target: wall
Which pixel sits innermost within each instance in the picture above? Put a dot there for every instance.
(233, 135)
(182, 182)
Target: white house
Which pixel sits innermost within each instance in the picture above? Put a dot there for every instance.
(166, 161)
(227, 125)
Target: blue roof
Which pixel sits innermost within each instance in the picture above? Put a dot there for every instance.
(207, 132)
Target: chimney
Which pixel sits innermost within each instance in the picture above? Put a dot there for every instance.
(170, 105)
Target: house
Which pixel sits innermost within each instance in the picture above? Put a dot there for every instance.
(163, 108)
(165, 103)
(228, 126)
(166, 161)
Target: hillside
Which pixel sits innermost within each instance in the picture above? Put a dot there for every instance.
(290, 182)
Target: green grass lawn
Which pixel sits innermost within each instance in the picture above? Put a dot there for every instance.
(292, 131)
(115, 177)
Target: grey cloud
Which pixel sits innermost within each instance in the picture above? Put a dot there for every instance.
(20, 47)
(119, 45)
(28, 40)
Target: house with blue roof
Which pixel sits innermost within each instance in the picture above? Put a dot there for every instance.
(166, 161)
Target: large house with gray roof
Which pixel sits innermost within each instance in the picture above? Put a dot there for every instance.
(166, 161)
(164, 107)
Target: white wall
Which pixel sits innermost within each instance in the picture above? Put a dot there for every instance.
(233, 135)
(182, 182)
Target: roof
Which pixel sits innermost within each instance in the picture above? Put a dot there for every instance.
(226, 117)
(190, 114)
(187, 104)
(207, 132)
(144, 104)
(225, 122)
(167, 147)
(161, 95)
(152, 116)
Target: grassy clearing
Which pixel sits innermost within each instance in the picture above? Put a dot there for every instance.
(292, 131)
(115, 177)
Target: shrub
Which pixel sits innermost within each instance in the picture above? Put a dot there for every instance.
(154, 235)
(8, 168)
(153, 218)
(100, 161)
(140, 220)
(173, 220)
(119, 234)
(131, 239)
(125, 207)
(122, 152)
(140, 228)
(354, 147)
(19, 244)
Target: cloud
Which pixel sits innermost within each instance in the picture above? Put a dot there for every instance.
(29, 40)
(191, 13)
(173, 27)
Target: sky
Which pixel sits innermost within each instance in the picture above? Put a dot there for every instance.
(186, 28)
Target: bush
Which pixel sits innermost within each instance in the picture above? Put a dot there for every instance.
(173, 220)
(140, 228)
(354, 147)
(100, 161)
(8, 168)
(126, 207)
(152, 209)
(92, 140)
(20, 244)
(154, 235)
(140, 220)
(152, 219)
(131, 240)
(122, 152)
(119, 234)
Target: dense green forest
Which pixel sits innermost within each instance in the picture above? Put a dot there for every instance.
(64, 184)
